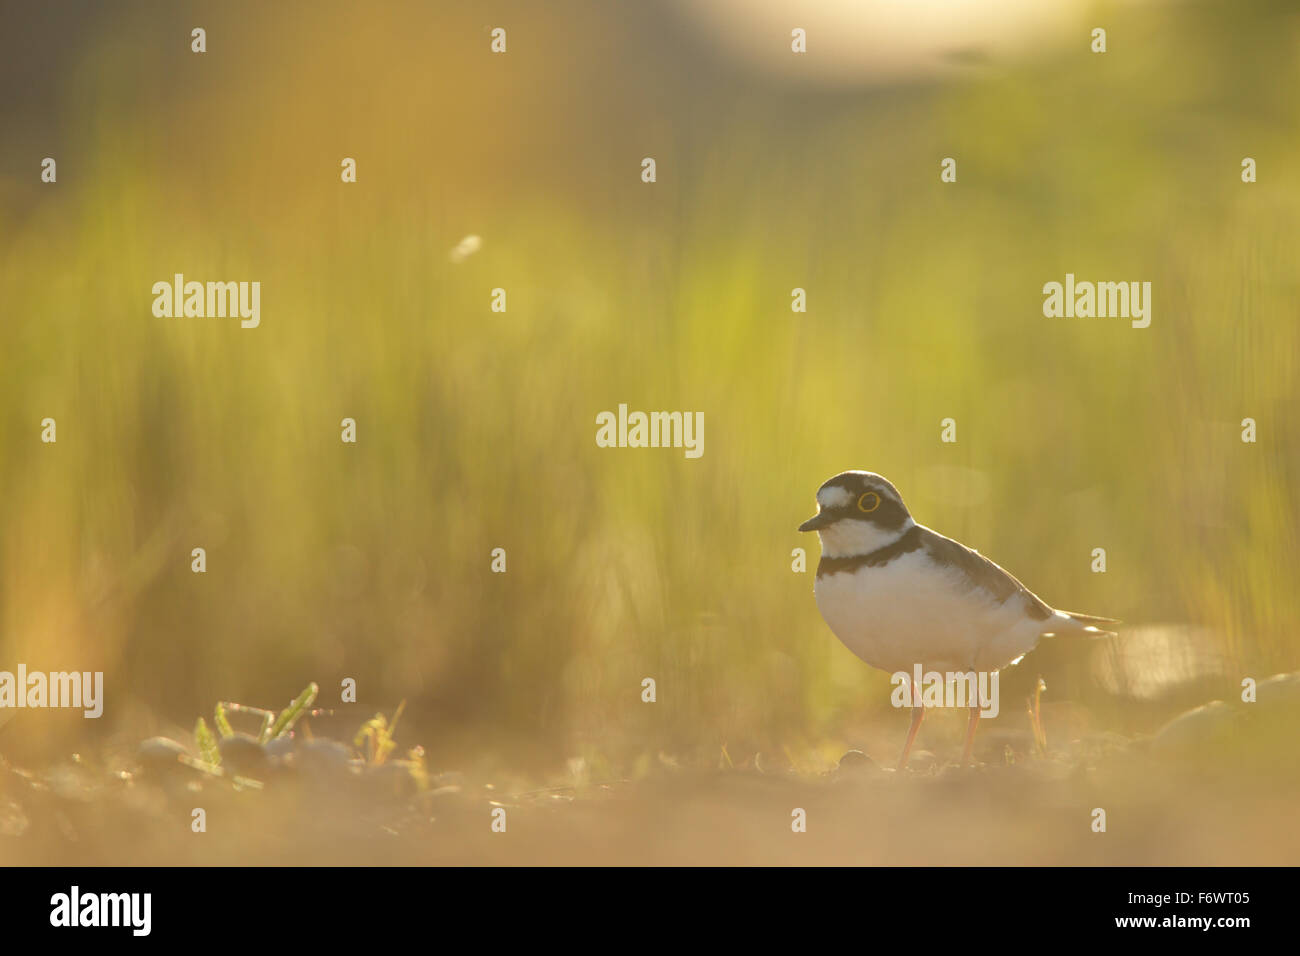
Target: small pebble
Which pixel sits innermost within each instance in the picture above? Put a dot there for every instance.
(327, 759)
(922, 761)
(160, 755)
(242, 754)
(856, 763)
(281, 746)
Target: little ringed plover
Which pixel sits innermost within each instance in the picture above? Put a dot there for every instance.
(898, 594)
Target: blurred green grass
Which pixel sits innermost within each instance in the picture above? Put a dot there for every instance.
(476, 429)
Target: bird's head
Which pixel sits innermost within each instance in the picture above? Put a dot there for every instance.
(858, 512)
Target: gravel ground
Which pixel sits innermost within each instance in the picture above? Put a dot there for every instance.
(1216, 786)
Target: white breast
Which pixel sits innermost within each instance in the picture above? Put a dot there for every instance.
(912, 611)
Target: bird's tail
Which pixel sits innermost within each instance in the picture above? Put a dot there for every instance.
(1089, 625)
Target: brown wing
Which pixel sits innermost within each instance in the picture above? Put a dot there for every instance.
(982, 573)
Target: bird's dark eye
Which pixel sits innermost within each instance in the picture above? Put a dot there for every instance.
(869, 502)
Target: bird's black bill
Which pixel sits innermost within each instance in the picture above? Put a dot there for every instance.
(817, 521)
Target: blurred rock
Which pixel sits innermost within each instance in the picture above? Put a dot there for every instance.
(1273, 716)
(281, 746)
(1280, 691)
(242, 754)
(1207, 727)
(159, 755)
(326, 760)
(922, 761)
(856, 764)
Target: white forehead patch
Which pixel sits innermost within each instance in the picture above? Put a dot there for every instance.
(834, 497)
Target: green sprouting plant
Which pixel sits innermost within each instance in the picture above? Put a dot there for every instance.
(273, 724)
(419, 771)
(267, 716)
(207, 744)
(375, 738)
(289, 716)
(222, 724)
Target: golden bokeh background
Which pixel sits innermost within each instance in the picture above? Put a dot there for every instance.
(476, 429)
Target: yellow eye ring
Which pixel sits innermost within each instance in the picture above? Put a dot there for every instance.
(868, 502)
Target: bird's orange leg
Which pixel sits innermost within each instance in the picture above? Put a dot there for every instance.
(970, 735)
(918, 712)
